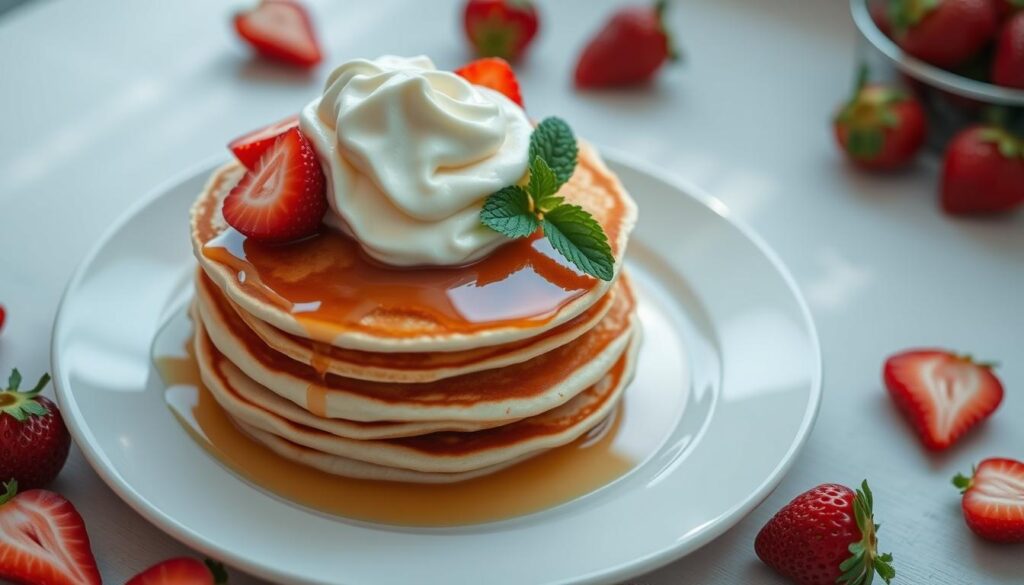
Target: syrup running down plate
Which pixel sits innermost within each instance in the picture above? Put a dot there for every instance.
(726, 389)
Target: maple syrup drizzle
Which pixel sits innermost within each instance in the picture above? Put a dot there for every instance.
(316, 400)
(328, 284)
(552, 478)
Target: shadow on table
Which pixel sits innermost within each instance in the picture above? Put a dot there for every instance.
(938, 462)
(265, 72)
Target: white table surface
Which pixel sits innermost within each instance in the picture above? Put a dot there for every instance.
(101, 101)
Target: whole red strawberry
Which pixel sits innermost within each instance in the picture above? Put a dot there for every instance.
(983, 172)
(1008, 65)
(34, 442)
(3, 317)
(500, 28)
(880, 127)
(629, 50)
(993, 502)
(942, 32)
(879, 11)
(826, 535)
(1005, 8)
(182, 571)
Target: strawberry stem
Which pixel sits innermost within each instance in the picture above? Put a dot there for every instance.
(864, 561)
(964, 483)
(905, 14)
(220, 574)
(10, 490)
(660, 6)
(970, 359)
(1009, 146)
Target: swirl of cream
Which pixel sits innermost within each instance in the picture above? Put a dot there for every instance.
(410, 154)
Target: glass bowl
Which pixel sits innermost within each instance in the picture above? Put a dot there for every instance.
(951, 100)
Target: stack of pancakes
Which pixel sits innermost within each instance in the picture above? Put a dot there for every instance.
(396, 393)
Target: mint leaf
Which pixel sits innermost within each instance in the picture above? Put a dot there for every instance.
(553, 141)
(543, 186)
(509, 212)
(577, 236)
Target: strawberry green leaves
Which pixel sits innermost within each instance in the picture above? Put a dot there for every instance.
(517, 212)
(22, 404)
(864, 560)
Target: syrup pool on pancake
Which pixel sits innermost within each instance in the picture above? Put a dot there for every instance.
(411, 292)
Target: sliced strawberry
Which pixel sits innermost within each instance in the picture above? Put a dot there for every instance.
(993, 501)
(493, 73)
(249, 149)
(941, 393)
(43, 540)
(284, 197)
(281, 30)
(181, 571)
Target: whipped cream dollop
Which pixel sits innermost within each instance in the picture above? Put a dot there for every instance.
(410, 154)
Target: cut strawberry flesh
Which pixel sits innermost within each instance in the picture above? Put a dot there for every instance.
(250, 148)
(944, 395)
(284, 197)
(43, 540)
(177, 571)
(994, 503)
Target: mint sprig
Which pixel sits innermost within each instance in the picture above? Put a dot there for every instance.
(517, 212)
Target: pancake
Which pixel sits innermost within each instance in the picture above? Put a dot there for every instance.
(324, 289)
(258, 395)
(441, 452)
(504, 394)
(354, 468)
(406, 367)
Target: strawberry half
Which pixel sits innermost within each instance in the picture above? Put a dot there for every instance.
(493, 73)
(250, 148)
(43, 540)
(280, 30)
(825, 535)
(942, 394)
(993, 500)
(34, 440)
(283, 198)
(182, 571)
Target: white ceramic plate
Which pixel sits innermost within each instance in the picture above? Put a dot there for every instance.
(727, 333)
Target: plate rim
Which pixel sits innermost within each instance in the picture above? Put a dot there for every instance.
(640, 565)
